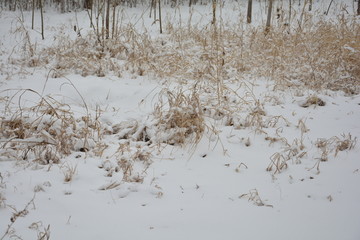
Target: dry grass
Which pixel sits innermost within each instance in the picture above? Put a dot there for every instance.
(279, 162)
(321, 55)
(313, 101)
(179, 115)
(44, 132)
(69, 171)
(254, 197)
(335, 144)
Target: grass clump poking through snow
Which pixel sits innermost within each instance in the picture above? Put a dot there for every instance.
(179, 117)
(46, 132)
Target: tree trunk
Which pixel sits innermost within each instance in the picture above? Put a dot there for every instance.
(42, 20)
(107, 20)
(62, 6)
(114, 21)
(214, 12)
(268, 20)
(249, 11)
(33, 15)
(87, 4)
(160, 17)
(290, 6)
(154, 9)
(358, 9)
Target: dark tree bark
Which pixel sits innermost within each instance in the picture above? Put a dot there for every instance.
(160, 17)
(214, 12)
(33, 14)
(42, 19)
(88, 4)
(107, 20)
(290, 6)
(268, 20)
(249, 11)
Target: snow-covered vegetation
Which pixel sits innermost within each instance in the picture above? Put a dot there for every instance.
(219, 127)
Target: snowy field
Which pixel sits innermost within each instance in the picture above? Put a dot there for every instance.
(207, 131)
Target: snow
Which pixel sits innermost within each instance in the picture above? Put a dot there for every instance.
(118, 185)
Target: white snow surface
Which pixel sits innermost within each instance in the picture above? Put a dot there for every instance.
(216, 189)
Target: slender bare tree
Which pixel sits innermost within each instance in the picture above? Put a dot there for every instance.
(33, 14)
(214, 12)
(161, 31)
(107, 20)
(268, 20)
(290, 6)
(42, 19)
(249, 11)
(113, 20)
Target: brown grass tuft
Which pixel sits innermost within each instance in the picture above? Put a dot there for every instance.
(179, 116)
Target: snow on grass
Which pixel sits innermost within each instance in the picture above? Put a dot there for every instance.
(182, 137)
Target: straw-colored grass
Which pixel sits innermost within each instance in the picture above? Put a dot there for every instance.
(45, 132)
(321, 55)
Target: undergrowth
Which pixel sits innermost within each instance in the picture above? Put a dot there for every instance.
(318, 56)
(45, 132)
(322, 55)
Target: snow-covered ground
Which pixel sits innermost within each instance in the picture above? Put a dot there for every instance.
(270, 164)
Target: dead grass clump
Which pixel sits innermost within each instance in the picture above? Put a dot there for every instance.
(313, 100)
(133, 160)
(45, 132)
(85, 56)
(254, 197)
(179, 116)
(69, 172)
(131, 129)
(279, 162)
(256, 116)
(292, 152)
(346, 143)
(335, 144)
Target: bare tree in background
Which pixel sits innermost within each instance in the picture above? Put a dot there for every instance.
(114, 20)
(87, 4)
(290, 6)
(214, 12)
(33, 15)
(62, 6)
(42, 19)
(160, 17)
(107, 20)
(249, 11)
(268, 20)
